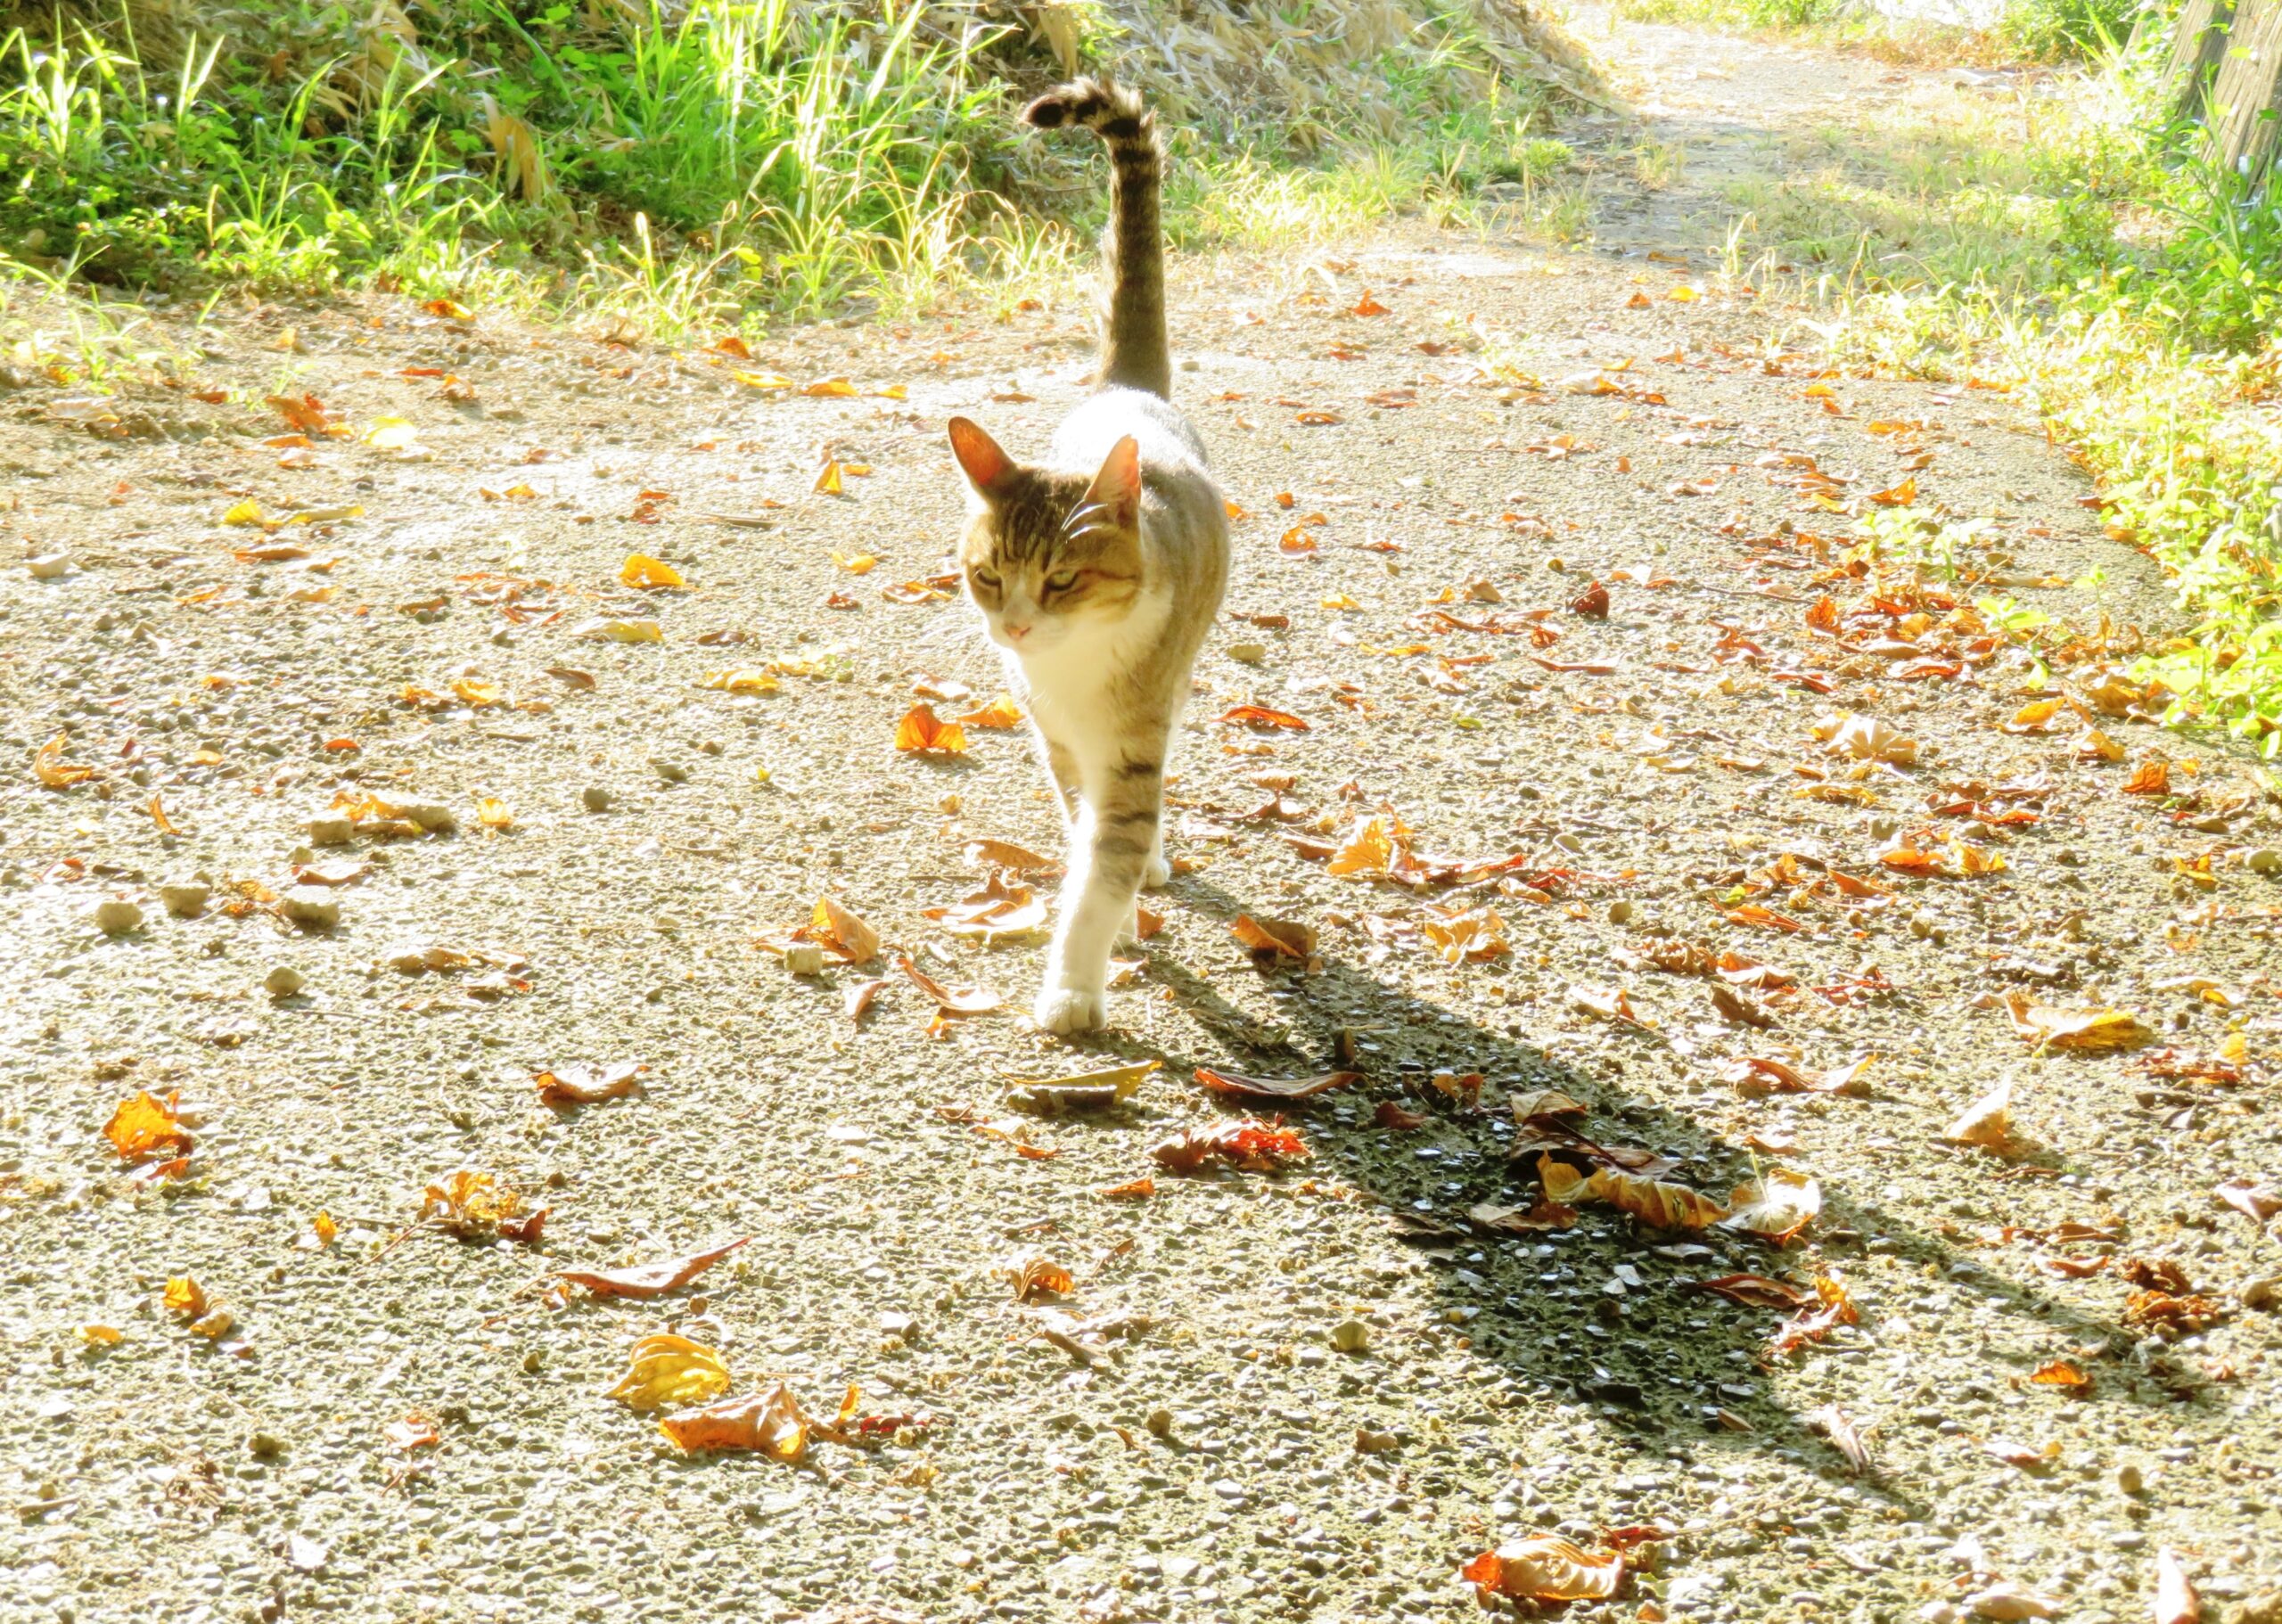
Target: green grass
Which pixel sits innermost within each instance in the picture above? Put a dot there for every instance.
(2080, 249)
(2025, 30)
(719, 164)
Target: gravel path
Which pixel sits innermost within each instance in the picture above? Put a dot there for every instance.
(1310, 1391)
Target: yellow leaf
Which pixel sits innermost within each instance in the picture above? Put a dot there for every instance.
(99, 1336)
(450, 309)
(1898, 496)
(1000, 712)
(391, 433)
(245, 512)
(1475, 934)
(2083, 1032)
(493, 812)
(158, 810)
(742, 679)
(762, 380)
(147, 1125)
(185, 1296)
(831, 387)
(922, 730)
(640, 569)
(666, 1370)
(828, 480)
(49, 767)
(855, 565)
(1369, 849)
(770, 1423)
(478, 694)
(323, 1228)
(1658, 1204)
(1340, 600)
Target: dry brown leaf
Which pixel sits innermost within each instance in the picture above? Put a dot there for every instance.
(52, 771)
(769, 1424)
(1006, 854)
(1032, 1273)
(1654, 1202)
(951, 1000)
(1775, 1206)
(643, 1280)
(584, 1084)
(2176, 1602)
(1987, 1122)
(840, 933)
(1242, 1086)
(1834, 1425)
(478, 1206)
(1277, 938)
(1250, 1145)
(1461, 935)
(1545, 1568)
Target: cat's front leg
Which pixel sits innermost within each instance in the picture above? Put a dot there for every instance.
(1109, 851)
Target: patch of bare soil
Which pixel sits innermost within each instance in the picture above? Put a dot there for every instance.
(1811, 1128)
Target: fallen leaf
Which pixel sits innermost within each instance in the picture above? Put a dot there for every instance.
(1086, 1091)
(2006, 1600)
(956, 1001)
(2059, 1372)
(1461, 935)
(1753, 1077)
(666, 1370)
(145, 1125)
(1033, 1273)
(840, 933)
(1132, 1190)
(1865, 738)
(2080, 1031)
(1000, 712)
(185, 1296)
(769, 1424)
(492, 813)
(923, 730)
(1242, 1086)
(1260, 716)
(1006, 854)
(1758, 1291)
(649, 574)
(476, 1206)
(1987, 1122)
(584, 1084)
(1250, 1145)
(52, 771)
(645, 1280)
(412, 1432)
(1656, 1203)
(1545, 1568)
(1275, 938)
(1834, 1425)
(1775, 1206)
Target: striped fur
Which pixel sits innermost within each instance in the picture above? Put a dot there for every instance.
(1098, 572)
(1136, 352)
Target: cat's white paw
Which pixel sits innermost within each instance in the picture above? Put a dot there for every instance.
(1072, 1009)
(1156, 874)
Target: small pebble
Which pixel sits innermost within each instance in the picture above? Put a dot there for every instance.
(329, 831)
(283, 981)
(1161, 1422)
(2129, 1479)
(2265, 860)
(596, 798)
(311, 904)
(1619, 911)
(1350, 1336)
(186, 898)
(116, 916)
(266, 1445)
(1250, 654)
(48, 566)
(804, 958)
(672, 772)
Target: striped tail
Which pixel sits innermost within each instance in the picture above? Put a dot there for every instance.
(1136, 353)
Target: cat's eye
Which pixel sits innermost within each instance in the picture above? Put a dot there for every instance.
(987, 578)
(1062, 581)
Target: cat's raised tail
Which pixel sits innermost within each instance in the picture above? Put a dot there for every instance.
(1136, 353)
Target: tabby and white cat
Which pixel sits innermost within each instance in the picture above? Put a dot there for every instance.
(1098, 572)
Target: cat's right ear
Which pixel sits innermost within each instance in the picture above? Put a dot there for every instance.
(989, 469)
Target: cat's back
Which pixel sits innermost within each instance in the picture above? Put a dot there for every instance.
(1169, 446)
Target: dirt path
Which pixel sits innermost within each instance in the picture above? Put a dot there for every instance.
(1210, 1442)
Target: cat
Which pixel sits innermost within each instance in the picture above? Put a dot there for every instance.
(1098, 571)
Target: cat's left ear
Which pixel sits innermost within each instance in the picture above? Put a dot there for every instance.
(989, 469)
(1115, 497)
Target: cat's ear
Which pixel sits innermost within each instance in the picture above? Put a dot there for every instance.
(989, 469)
(1114, 497)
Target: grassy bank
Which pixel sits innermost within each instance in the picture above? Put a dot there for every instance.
(2019, 30)
(714, 162)
(2069, 241)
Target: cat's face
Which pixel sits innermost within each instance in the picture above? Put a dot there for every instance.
(1048, 559)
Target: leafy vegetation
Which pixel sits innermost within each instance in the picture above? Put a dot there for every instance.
(2032, 31)
(705, 162)
(2081, 249)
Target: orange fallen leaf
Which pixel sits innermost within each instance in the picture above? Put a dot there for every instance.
(1248, 1144)
(52, 771)
(1032, 1273)
(649, 574)
(584, 1084)
(2149, 778)
(770, 1423)
(146, 1126)
(185, 1296)
(2080, 1031)
(645, 1280)
(1279, 938)
(1006, 854)
(955, 1001)
(1260, 716)
(1241, 1086)
(1545, 1568)
(1000, 712)
(1653, 1202)
(923, 732)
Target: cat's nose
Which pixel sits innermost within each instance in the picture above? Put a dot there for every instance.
(1016, 632)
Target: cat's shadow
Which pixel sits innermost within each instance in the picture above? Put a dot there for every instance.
(1599, 1314)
